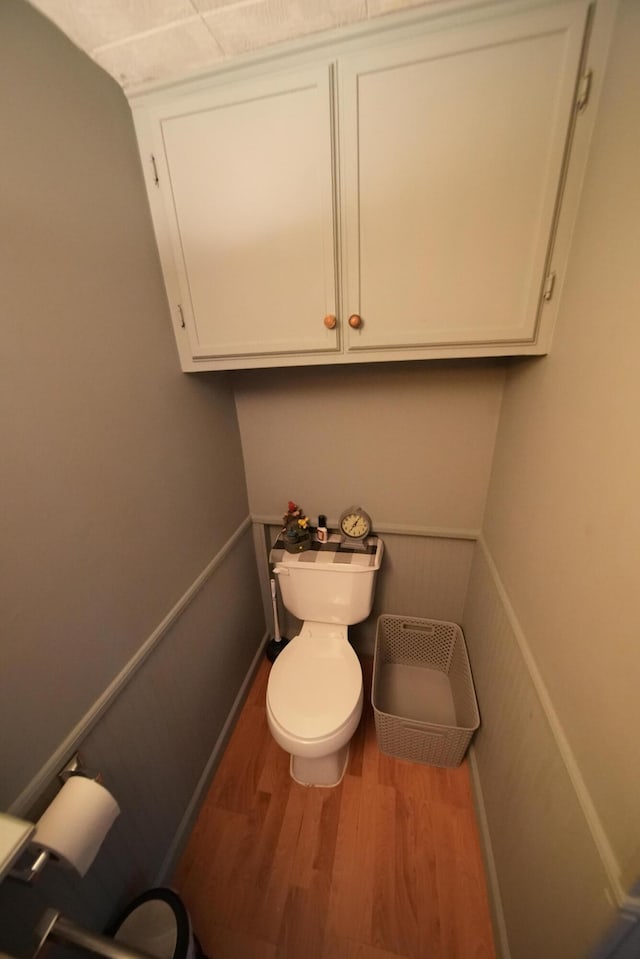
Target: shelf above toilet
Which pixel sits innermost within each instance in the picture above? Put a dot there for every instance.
(333, 553)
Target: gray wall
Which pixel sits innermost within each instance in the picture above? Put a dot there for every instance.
(410, 442)
(553, 610)
(121, 477)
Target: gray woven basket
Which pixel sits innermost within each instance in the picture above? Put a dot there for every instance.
(423, 697)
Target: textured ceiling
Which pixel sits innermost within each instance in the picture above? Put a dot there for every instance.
(143, 42)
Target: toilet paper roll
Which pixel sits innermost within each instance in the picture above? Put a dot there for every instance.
(76, 823)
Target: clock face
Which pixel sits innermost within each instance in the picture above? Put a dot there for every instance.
(355, 524)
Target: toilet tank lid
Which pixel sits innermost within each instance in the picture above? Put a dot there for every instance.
(333, 555)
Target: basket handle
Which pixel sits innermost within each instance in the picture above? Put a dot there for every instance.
(422, 730)
(419, 627)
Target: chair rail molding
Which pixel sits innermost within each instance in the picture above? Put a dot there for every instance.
(47, 773)
(436, 532)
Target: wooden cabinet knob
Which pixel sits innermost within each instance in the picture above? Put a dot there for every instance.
(330, 322)
(355, 321)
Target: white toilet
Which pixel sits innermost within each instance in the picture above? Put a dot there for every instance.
(314, 693)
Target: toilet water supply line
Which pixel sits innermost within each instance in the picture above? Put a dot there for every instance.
(276, 626)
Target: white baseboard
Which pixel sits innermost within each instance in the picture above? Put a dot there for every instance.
(497, 913)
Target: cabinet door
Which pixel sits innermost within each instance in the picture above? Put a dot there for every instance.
(453, 148)
(245, 172)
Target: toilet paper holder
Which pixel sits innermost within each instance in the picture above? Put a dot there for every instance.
(27, 873)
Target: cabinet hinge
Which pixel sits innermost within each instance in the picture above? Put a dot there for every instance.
(584, 90)
(156, 179)
(549, 283)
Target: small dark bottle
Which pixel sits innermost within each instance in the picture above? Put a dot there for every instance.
(322, 533)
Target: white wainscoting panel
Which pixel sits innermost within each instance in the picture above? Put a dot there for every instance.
(155, 744)
(554, 892)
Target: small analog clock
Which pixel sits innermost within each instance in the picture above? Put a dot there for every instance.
(355, 525)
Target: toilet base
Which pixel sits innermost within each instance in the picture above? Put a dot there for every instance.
(320, 771)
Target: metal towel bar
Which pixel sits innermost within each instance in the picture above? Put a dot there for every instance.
(55, 928)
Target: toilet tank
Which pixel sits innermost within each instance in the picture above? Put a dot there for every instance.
(329, 587)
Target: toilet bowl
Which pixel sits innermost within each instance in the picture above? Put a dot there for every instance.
(314, 692)
(314, 702)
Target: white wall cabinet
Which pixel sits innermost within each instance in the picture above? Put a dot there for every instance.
(245, 220)
(407, 183)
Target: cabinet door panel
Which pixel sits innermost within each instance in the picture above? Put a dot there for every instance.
(249, 207)
(453, 148)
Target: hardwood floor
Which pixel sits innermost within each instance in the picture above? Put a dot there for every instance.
(385, 866)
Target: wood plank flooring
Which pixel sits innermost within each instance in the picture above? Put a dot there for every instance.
(385, 866)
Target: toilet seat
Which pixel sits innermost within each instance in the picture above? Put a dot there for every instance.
(314, 687)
